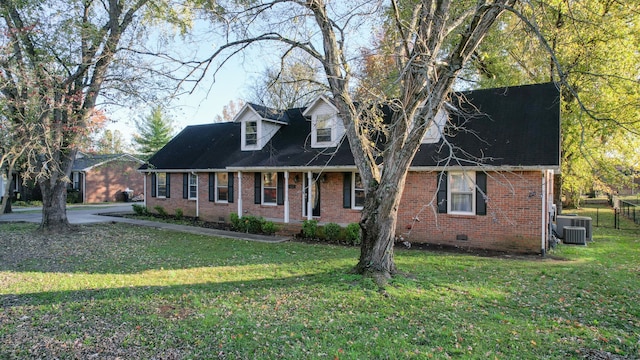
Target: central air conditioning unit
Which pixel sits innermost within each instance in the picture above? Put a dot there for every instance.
(562, 221)
(575, 235)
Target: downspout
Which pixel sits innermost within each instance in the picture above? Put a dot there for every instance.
(84, 187)
(286, 197)
(197, 195)
(144, 190)
(239, 193)
(543, 247)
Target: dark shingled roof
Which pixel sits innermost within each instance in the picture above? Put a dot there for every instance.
(89, 160)
(516, 126)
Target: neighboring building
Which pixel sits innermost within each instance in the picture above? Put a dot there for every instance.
(104, 178)
(489, 186)
(14, 184)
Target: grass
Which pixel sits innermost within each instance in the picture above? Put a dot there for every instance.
(114, 290)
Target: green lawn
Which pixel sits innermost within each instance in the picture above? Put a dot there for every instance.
(114, 290)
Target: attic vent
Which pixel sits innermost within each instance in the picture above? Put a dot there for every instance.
(575, 235)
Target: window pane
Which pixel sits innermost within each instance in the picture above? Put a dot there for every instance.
(461, 202)
(270, 196)
(461, 183)
(358, 182)
(359, 198)
(269, 179)
(323, 135)
(223, 194)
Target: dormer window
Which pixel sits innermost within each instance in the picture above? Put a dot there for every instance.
(251, 133)
(259, 125)
(436, 127)
(324, 126)
(327, 128)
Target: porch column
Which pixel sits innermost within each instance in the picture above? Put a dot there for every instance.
(309, 199)
(286, 197)
(239, 191)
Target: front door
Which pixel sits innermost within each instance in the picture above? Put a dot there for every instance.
(315, 195)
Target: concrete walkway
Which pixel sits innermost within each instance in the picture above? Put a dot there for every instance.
(93, 214)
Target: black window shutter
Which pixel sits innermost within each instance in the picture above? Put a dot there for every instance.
(230, 187)
(212, 187)
(185, 186)
(346, 191)
(168, 176)
(280, 189)
(257, 188)
(153, 185)
(481, 193)
(442, 192)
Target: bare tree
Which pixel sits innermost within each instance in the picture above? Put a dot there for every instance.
(295, 82)
(431, 50)
(58, 57)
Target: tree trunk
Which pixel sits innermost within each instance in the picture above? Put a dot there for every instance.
(54, 205)
(378, 224)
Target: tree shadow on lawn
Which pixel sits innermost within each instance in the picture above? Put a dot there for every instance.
(125, 249)
(327, 279)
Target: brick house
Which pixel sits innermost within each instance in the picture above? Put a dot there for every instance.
(482, 178)
(105, 177)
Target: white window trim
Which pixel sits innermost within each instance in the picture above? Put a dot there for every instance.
(158, 185)
(353, 192)
(192, 176)
(218, 186)
(332, 123)
(262, 187)
(471, 175)
(255, 146)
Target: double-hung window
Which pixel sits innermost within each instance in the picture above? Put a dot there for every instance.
(270, 188)
(222, 187)
(358, 192)
(324, 126)
(161, 184)
(251, 133)
(193, 186)
(461, 192)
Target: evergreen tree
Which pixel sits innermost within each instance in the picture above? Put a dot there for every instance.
(154, 132)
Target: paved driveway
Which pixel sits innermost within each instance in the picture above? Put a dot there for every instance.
(84, 214)
(88, 214)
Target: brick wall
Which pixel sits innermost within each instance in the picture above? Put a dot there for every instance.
(512, 223)
(105, 183)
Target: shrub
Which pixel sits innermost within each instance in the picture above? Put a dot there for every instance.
(73, 196)
(332, 231)
(179, 214)
(352, 232)
(235, 221)
(253, 224)
(310, 228)
(269, 228)
(250, 224)
(140, 209)
(160, 210)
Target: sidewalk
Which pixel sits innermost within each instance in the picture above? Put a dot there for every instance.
(94, 214)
